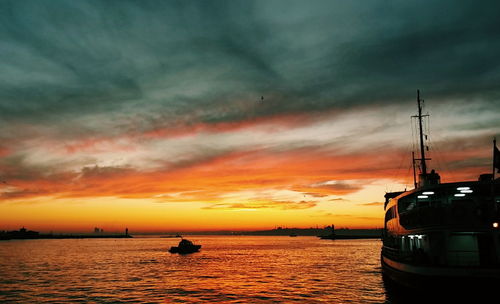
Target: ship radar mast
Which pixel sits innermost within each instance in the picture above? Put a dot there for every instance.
(421, 133)
(425, 178)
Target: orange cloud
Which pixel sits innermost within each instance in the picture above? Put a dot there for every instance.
(282, 205)
(301, 170)
(314, 172)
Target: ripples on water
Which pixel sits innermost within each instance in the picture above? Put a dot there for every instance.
(228, 269)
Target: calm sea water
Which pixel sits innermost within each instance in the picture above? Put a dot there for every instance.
(228, 269)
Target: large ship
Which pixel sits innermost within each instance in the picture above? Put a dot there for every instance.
(442, 233)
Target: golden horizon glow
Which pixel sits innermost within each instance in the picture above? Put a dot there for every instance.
(252, 189)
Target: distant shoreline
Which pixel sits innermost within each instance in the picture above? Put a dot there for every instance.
(342, 233)
(24, 234)
(324, 233)
(64, 236)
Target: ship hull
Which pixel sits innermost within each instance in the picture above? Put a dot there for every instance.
(463, 279)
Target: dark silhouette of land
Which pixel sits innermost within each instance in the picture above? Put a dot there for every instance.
(24, 234)
(326, 233)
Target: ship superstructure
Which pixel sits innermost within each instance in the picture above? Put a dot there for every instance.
(442, 233)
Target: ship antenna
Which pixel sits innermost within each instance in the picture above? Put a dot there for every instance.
(422, 150)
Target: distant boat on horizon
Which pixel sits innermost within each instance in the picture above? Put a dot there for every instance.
(171, 236)
(443, 234)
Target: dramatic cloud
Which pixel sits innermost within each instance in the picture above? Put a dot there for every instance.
(274, 105)
(184, 61)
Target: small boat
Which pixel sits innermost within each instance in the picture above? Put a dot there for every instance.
(185, 247)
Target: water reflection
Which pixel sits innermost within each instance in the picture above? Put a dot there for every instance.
(227, 270)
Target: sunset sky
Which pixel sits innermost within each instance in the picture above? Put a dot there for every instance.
(234, 115)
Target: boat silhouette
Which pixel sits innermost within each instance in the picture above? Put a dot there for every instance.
(185, 246)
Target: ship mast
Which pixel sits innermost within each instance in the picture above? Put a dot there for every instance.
(414, 172)
(425, 179)
(422, 150)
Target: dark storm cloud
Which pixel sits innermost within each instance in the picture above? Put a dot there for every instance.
(66, 57)
(184, 61)
(447, 49)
